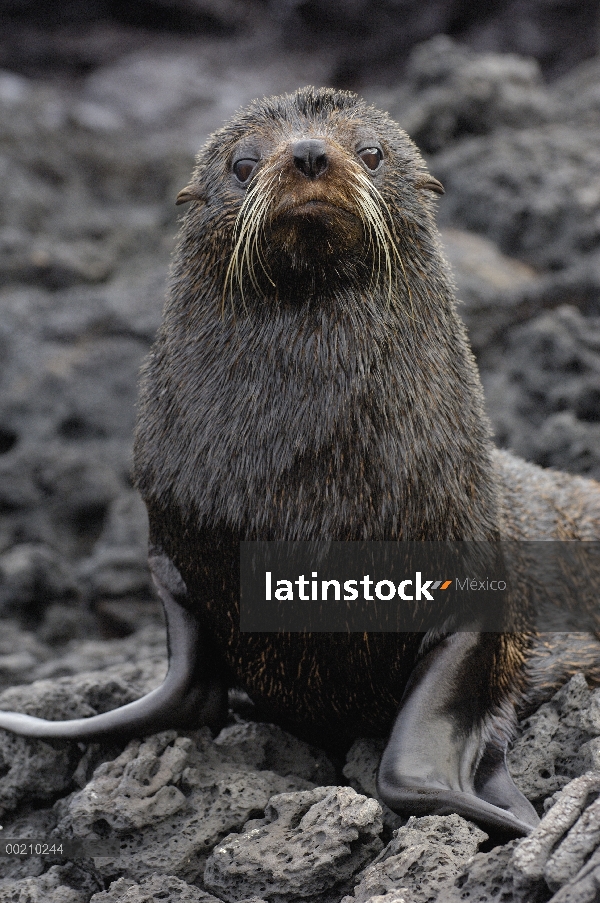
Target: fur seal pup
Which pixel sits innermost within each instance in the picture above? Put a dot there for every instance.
(311, 379)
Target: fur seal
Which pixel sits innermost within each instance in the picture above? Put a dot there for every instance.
(311, 379)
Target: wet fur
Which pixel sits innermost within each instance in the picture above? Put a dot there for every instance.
(318, 407)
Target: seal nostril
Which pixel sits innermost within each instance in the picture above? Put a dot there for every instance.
(320, 164)
(310, 157)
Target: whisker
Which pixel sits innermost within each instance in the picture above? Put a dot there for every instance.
(247, 233)
(384, 229)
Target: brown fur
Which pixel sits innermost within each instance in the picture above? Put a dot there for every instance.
(546, 504)
(299, 400)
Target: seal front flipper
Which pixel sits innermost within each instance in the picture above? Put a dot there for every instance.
(439, 759)
(190, 694)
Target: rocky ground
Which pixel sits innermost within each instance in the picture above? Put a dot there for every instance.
(90, 168)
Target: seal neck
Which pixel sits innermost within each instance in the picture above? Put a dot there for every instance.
(318, 423)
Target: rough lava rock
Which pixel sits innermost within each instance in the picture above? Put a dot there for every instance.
(308, 845)
(266, 747)
(562, 852)
(165, 888)
(545, 395)
(68, 883)
(420, 860)
(558, 742)
(557, 862)
(532, 191)
(42, 770)
(451, 92)
(362, 762)
(168, 800)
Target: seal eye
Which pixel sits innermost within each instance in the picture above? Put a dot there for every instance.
(371, 157)
(243, 169)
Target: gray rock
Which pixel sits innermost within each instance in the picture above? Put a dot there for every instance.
(494, 291)
(32, 769)
(578, 90)
(31, 575)
(367, 38)
(266, 747)
(585, 887)
(115, 572)
(487, 878)
(141, 658)
(561, 854)
(450, 92)
(362, 762)
(373, 41)
(33, 825)
(531, 191)
(39, 770)
(166, 888)
(549, 750)
(62, 623)
(590, 754)
(543, 391)
(53, 264)
(47, 888)
(159, 86)
(530, 858)
(66, 425)
(420, 861)
(20, 653)
(168, 800)
(575, 850)
(553, 855)
(309, 845)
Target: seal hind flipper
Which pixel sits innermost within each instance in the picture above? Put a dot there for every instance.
(189, 694)
(438, 758)
(494, 784)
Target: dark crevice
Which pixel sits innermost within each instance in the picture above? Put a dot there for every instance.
(8, 440)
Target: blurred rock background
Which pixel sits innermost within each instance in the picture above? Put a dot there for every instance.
(102, 109)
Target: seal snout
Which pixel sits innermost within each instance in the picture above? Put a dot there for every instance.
(312, 201)
(310, 157)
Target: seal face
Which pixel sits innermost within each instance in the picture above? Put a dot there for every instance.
(309, 175)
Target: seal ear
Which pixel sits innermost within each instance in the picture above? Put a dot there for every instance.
(432, 185)
(189, 193)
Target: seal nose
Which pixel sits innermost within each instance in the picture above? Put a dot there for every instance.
(310, 157)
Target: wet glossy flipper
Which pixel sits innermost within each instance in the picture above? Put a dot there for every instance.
(189, 695)
(438, 759)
